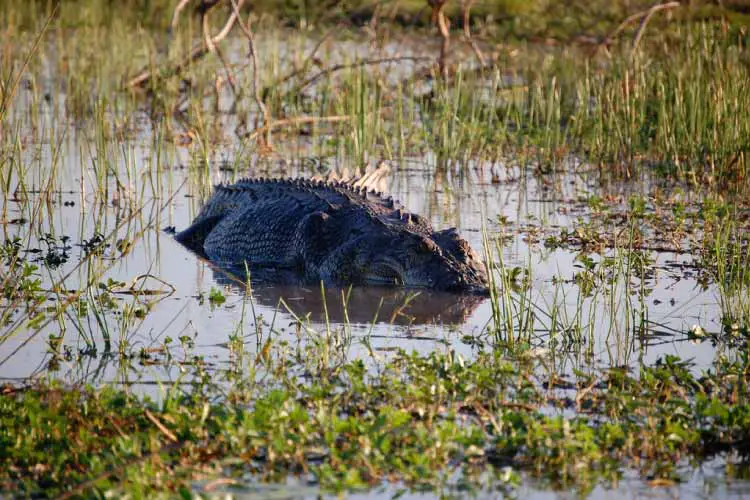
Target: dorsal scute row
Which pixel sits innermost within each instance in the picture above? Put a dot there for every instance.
(311, 193)
(347, 190)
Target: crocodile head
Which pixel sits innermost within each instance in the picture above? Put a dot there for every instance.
(446, 262)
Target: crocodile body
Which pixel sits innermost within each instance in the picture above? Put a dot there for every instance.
(330, 231)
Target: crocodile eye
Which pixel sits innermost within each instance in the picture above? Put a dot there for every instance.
(426, 245)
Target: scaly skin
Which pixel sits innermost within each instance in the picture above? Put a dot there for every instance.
(332, 232)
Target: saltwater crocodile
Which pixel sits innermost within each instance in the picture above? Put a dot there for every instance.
(336, 232)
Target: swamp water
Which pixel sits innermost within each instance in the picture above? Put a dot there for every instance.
(179, 303)
(157, 316)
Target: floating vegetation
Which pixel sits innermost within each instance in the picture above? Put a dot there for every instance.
(415, 421)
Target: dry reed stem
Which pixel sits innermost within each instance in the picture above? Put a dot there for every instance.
(10, 88)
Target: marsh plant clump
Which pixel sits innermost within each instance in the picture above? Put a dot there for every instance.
(417, 421)
(595, 151)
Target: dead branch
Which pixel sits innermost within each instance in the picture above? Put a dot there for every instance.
(300, 120)
(440, 20)
(146, 75)
(214, 49)
(365, 62)
(653, 10)
(176, 14)
(256, 77)
(645, 16)
(466, 11)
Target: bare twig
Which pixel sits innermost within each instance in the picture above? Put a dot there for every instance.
(146, 75)
(206, 29)
(365, 62)
(222, 481)
(649, 14)
(585, 392)
(440, 20)
(644, 16)
(300, 120)
(466, 11)
(214, 49)
(256, 77)
(162, 428)
(176, 14)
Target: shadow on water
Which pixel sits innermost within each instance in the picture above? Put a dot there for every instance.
(399, 306)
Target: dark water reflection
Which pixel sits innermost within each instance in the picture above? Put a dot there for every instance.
(399, 306)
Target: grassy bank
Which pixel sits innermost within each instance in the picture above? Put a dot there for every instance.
(506, 18)
(413, 422)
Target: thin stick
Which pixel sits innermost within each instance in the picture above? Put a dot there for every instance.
(162, 428)
(176, 14)
(441, 22)
(634, 17)
(214, 49)
(466, 10)
(653, 10)
(365, 62)
(300, 120)
(256, 77)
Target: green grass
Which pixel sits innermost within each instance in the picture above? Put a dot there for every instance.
(678, 105)
(416, 420)
(674, 113)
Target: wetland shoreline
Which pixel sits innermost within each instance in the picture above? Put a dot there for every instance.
(596, 153)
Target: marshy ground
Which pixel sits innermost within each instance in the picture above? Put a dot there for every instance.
(596, 153)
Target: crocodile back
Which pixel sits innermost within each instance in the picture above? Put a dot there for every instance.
(334, 231)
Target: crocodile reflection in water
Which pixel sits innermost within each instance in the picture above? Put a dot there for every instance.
(399, 306)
